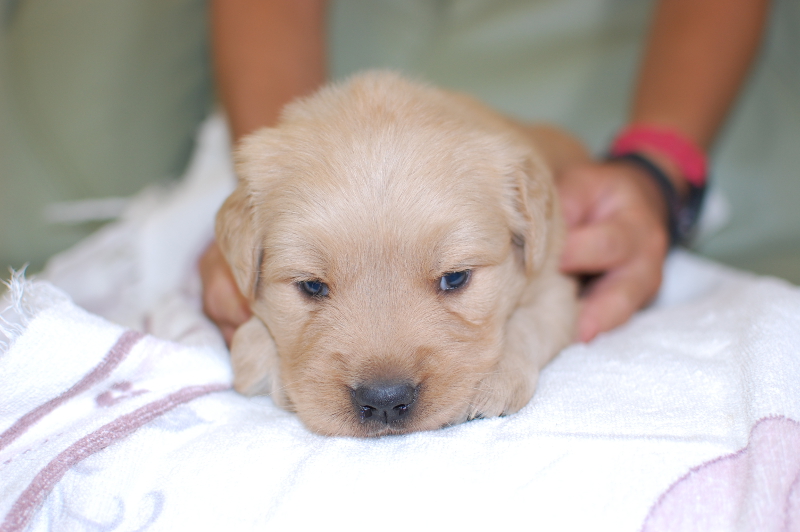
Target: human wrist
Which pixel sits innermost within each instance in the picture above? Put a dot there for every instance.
(669, 168)
(678, 156)
(676, 164)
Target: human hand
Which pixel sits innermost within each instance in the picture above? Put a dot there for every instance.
(222, 301)
(617, 231)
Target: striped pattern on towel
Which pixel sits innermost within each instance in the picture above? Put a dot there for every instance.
(95, 383)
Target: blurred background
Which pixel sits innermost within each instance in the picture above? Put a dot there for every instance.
(99, 98)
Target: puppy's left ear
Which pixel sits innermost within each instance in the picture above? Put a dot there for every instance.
(238, 227)
(533, 210)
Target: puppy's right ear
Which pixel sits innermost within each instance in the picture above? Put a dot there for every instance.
(237, 227)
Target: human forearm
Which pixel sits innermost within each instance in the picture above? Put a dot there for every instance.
(697, 56)
(266, 53)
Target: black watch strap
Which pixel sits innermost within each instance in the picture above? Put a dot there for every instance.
(682, 214)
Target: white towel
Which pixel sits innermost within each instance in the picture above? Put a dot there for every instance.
(73, 383)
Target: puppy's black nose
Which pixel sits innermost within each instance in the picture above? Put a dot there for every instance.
(385, 402)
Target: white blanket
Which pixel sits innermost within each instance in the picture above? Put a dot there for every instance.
(686, 418)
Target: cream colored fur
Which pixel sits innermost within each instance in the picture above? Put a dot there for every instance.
(378, 187)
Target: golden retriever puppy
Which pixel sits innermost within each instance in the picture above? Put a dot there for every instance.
(399, 246)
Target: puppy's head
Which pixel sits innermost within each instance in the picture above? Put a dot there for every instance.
(384, 233)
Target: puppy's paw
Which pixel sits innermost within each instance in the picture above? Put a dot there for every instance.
(255, 362)
(503, 392)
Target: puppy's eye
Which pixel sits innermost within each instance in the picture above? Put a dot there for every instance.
(314, 288)
(454, 280)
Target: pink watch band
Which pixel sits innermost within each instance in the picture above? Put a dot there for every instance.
(683, 152)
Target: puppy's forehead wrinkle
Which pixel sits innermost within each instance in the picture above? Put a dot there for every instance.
(350, 229)
(385, 183)
(385, 136)
(379, 256)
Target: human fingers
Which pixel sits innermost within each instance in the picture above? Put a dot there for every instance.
(227, 331)
(595, 248)
(222, 301)
(617, 232)
(613, 298)
(225, 307)
(578, 191)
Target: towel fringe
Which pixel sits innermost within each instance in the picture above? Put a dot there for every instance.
(22, 301)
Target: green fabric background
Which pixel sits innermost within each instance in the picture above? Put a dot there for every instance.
(97, 99)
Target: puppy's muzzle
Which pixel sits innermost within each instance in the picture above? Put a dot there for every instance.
(387, 402)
